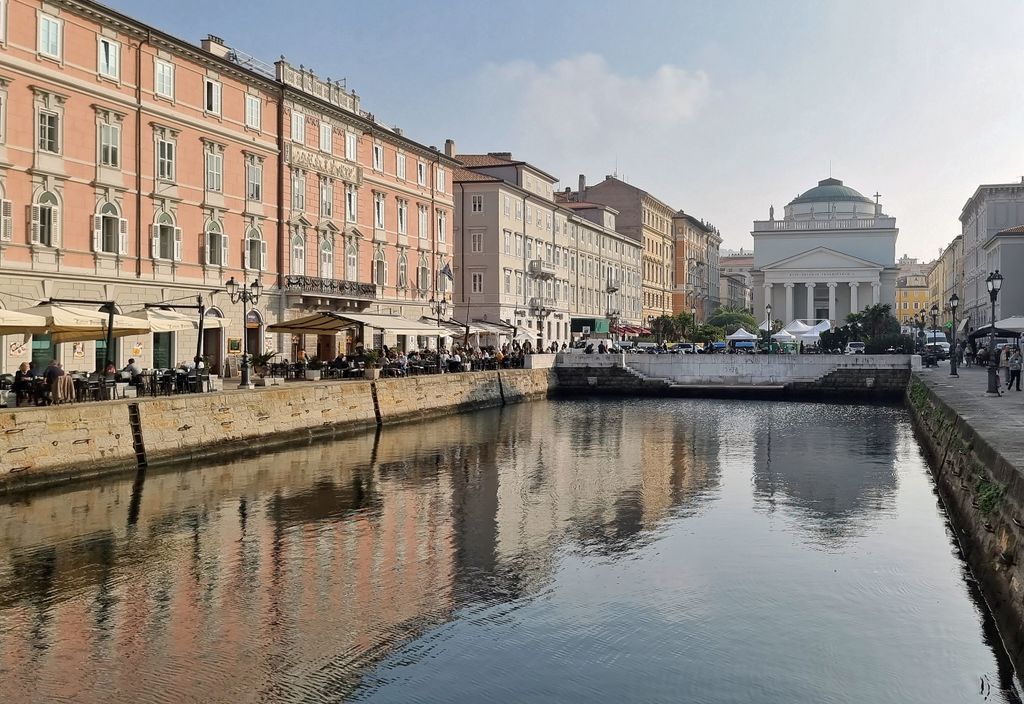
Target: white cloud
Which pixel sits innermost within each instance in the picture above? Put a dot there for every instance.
(574, 106)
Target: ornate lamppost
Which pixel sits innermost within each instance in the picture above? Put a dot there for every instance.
(994, 282)
(440, 310)
(768, 318)
(935, 317)
(693, 318)
(954, 301)
(247, 294)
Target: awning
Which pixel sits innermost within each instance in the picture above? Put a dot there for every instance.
(70, 324)
(454, 327)
(962, 325)
(986, 330)
(327, 322)
(14, 323)
(1015, 323)
(488, 328)
(163, 320)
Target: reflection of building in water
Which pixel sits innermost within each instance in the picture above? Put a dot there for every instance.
(834, 469)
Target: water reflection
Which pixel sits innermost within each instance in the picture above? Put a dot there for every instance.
(338, 570)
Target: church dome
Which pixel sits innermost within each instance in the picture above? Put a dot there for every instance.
(831, 190)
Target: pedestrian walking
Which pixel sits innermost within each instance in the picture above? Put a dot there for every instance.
(1014, 363)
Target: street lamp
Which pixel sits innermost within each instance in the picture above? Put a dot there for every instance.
(994, 282)
(247, 294)
(919, 324)
(954, 301)
(935, 316)
(693, 318)
(440, 310)
(768, 318)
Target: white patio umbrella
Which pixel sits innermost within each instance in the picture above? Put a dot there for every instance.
(163, 320)
(71, 324)
(13, 322)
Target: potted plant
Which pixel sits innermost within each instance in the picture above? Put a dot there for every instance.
(260, 365)
(372, 361)
(313, 368)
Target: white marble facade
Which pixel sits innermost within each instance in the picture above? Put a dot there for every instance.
(832, 253)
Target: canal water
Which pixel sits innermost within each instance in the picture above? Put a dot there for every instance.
(561, 551)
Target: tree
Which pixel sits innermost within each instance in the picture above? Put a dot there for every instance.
(708, 333)
(732, 319)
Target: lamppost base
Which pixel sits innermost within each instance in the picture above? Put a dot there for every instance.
(247, 385)
(993, 383)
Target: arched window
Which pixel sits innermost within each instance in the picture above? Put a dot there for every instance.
(255, 249)
(216, 245)
(298, 253)
(380, 268)
(352, 262)
(166, 238)
(442, 280)
(403, 270)
(45, 226)
(423, 274)
(109, 231)
(326, 258)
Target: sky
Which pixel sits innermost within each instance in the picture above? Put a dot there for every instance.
(720, 108)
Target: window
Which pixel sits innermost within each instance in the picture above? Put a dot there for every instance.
(214, 170)
(508, 206)
(255, 250)
(298, 127)
(477, 242)
(6, 220)
(442, 226)
(529, 214)
(519, 245)
(351, 146)
(166, 238)
(380, 269)
(529, 248)
(477, 204)
(519, 210)
(298, 253)
(400, 165)
(508, 281)
(326, 258)
(165, 160)
(326, 197)
(403, 270)
(508, 242)
(423, 229)
(49, 126)
(163, 79)
(109, 61)
(421, 173)
(253, 180)
(478, 282)
(109, 232)
(298, 190)
(216, 246)
(351, 203)
(326, 137)
(351, 262)
(253, 111)
(441, 179)
(423, 275)
(378, 210)
(519, 283)
(110, 144)
(378, 157)
(49, 36)
(403, 217)
(212, 91)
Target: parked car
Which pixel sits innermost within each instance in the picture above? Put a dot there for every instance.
(939, 349)
(685, 348)
(854, 348)
(744, 347)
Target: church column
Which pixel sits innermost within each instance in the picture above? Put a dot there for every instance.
(832, 301)
(810, 299)
(854, 308)
(789, 303)
(876, 292)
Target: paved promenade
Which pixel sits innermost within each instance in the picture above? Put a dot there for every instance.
(1000, 420)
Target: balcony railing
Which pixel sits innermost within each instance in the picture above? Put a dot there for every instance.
(330, 287)
(538, 302)
(613, 285)
(540, 269)
(835, 224)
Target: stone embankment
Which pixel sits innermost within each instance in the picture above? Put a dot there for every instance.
(976, 451)
(50, 444)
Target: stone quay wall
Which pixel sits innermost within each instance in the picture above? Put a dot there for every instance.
(983, 491)
(51, 444)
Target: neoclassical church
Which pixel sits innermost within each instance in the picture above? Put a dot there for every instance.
(833, 252)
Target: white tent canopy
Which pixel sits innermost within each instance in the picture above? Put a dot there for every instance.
(14, 323)
(1013, 324)
(741, 334)
(797, 327)
(163, 320)
(70, 324)
(784, 336)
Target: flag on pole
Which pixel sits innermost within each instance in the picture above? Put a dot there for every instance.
(447, 271)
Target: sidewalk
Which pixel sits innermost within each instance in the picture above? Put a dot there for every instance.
(999, 419)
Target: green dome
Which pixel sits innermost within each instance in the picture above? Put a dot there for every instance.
(830, 190)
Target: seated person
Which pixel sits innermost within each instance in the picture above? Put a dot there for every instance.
(134, 370)
(22, 385)
(110, 369)
(340, 362)
(53, 372)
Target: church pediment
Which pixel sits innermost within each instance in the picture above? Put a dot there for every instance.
(821, 259)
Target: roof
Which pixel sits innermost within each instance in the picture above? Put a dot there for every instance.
(479, 161)
(461, 175)
(693, 221)
(830, 189)
(988, 187)
(614, 181)
(1016, 230)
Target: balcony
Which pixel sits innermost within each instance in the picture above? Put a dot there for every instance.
(540, 269)
(538, 302)
(613, 285)
(335, 288)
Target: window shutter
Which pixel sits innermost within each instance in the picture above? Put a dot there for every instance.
(97, 233)
(224, 250)
(263, 255)
(6, 221)
(33, 221)
(204, 248)
(122, 236)
(177, 244)
(155, 242)
(54, 226)
(246, 259)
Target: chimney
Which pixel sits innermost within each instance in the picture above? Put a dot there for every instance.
(583, 187)
(215, 45)
(449, 148)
